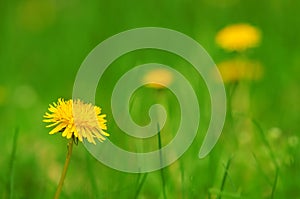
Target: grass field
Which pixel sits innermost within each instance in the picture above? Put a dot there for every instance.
(42, 45)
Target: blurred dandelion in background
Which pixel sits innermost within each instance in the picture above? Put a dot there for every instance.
(36, 15)
(158, 75)
(240, 69)
(238, 37)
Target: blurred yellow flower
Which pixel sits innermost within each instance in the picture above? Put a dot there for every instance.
(238, 37)
(158, 78)
(35, 15)
(238, 69)
(76, 119)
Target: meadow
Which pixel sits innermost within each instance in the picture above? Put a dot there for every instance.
(43, 44)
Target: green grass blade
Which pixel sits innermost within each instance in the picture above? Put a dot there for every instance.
(10, 184)
(260, 169)
(267, 144)
(265, 141)
(182, 180)
(275, 183)
(161, 163)
(225, 176)
(140, 186)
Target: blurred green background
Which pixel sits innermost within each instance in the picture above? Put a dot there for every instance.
(42, 45)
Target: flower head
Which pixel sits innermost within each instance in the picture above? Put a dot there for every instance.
(76, 119)
(238, 69)
(238, 37)
(158, 78)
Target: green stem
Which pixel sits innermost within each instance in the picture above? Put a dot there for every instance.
(224, 177)
(274, 184)
(161, 163)
(12, 163)
(65, 169)
(232, 90)
(140, 185)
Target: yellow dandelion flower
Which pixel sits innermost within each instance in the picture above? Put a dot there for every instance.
(158, 78)
(75, 119)
(238, 37)
(238, 69)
